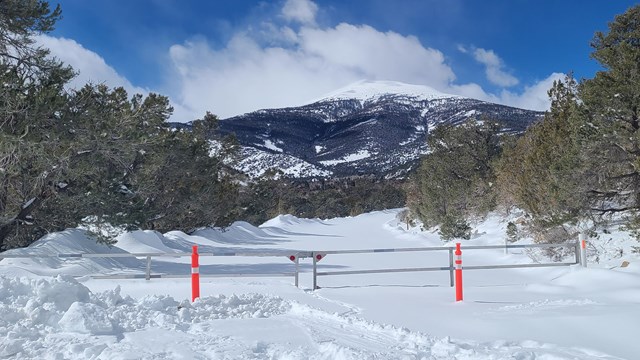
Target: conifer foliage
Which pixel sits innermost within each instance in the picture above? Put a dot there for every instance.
(544, 172)
(455, 180)
(581, 160)
(93, 155)
(584, 157)
(612, 103)
(102, 156)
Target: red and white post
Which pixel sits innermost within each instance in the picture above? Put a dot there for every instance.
(195, 274)
(458, 272)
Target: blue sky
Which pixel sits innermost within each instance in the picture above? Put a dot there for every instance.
(231, 57)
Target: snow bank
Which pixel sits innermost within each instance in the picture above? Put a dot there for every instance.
(283, 221)
(146, 241)
(60, 318)
(35, 313)
(70, 241)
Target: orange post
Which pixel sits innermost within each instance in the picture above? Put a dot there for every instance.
(458, 272)
(195, 274)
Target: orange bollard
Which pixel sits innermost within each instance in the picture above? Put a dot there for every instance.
(195, 274)
(458, 272)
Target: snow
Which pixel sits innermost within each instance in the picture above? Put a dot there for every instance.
(365, 91)
(362, 154)
(256, 162)
(471, 113)
(272, 146)
(51, 308)
(28, 203)
(86, 318)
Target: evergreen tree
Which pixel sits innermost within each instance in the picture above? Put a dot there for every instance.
(544, 172)
(612, 102)
(30, 97)
(273, 194)
(455, 180)
(454, 228)
(95, 154)
(179, 185)
(583, 159)
(512, 232)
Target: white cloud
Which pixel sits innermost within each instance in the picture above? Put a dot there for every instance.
(302, 11)
(245, 76)
(533, 97)
(494, 68)
(300, 64)
(377, 55)
(90, 66)
(473, 91)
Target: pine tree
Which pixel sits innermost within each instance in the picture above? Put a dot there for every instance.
(94, 154)
(455, 180)
(612, 102)
(544, 172)
(30, 97)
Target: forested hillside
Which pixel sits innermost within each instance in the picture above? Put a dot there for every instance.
(581, 162)
(95, 155)
(98, 157)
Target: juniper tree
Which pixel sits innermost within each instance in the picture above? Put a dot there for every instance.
(30, 96)
(455, 180)
(95, 153)
(583, 159)
(544, 172)
(612, 102)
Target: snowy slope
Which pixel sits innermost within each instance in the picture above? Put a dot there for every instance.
(388, 121)
(540, 313)
(370, 91)
(256, 161)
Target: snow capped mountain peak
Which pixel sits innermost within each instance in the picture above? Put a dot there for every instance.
(365, 90)
(367, 128)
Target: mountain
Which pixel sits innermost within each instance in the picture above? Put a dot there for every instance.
(368, 128)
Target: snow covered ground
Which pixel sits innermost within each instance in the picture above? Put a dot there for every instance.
(50, 308)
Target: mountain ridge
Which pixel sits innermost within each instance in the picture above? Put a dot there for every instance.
(367, 128)
(366, 90)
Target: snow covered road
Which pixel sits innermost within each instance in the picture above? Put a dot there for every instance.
(544, 313)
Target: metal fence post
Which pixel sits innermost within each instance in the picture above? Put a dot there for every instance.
(297, 268)
(451, 267)
(315, 271)
(148, 273)
(576, 248)
(583, 250)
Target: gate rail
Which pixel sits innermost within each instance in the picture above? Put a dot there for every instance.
(295, 255)
(148, 256)
(450, 268)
